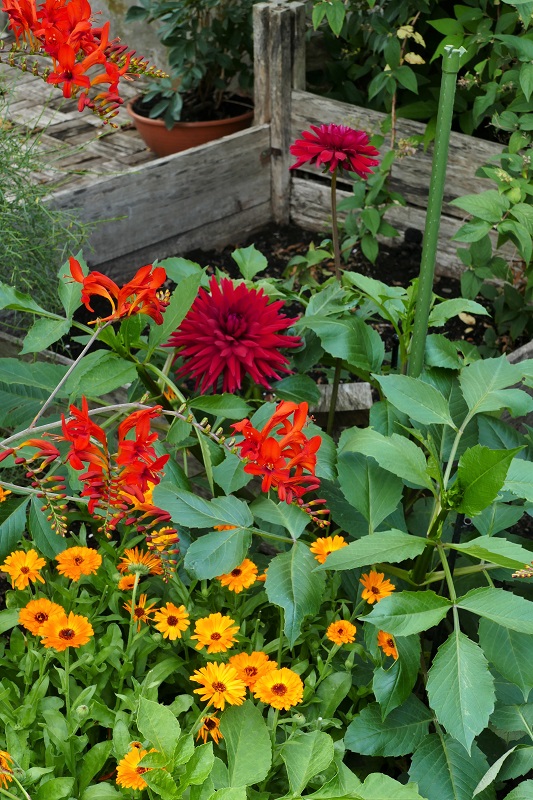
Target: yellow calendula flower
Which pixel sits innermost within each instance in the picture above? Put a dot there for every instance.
(4, 493)
(135, 560)
(239, 578)
(5, 769)
(141, 612)
(376, 587)
(215, 632)
(387, 644)
(126, 583)
(37, 612)
(77, 561)
(341, 632)
(251, 667)
(129, 773)
(280, 688)
(23, 567)
(171, 621)
(219, 684)
(60, 632)
(210, 727)
(325, 545)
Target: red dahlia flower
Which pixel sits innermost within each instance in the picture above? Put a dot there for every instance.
(336, 146)
(232, 332)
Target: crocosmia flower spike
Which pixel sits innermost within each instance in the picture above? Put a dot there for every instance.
(336, 147)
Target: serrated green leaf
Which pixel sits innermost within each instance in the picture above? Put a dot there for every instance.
(230, 474)
(406, 613)
(442, 312)
(222, 405)
(195, 512)
(305, 755)
(247, 743)
(393, 684)
(483, 381)
(250, 261)
(14, 300)
(43, 333)
(519, 480)
(217, 553)
(12, 523)
(510, 652)
(420, 401)
(489, 206)
(497, 551)
(381, 787)
(349, 339)
(500, 606)
(287, 516)
(480, 476)
(298, 389)
(158, 725)
(391, 546)
(181, 301)
(161, 783)
(444, 770)
(373, 491)
(522, 792)
(401, 733)
(99, 373)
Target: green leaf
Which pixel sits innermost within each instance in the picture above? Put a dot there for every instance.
(195, 512)
(331, 693)
(404, 730)
(489, 205)
(380, 787)
(12, 524)
(222, 405)
(292, 585)
(370, 489)
(69, 291)
(99, 373)
(298, 388)
(393, 685)
(217, 553)
(101, 791)
(305, 755)
(445, 310)
(391, 546)
(199, 766)
(472, 231)
(335, 13)
(350, 339)
(43, 333)
(407, 78)
(500, 606)
(394, 453)
(406, 613)
(55, 789)
(510, 652)
(519, 480)
(181, 301)
(444, 770)
(93, 762)
(515, 719)
(287, 516)
(250, 261)
(524, 791)
(158, 724)
(482, 382)
(8, 619)
(47, 541)
(497, 551)
(492, 773)
(14, 300)
(230, 474)
(420, 401)
(162, 784)
(440, 352)
(38, 374)
(233, 793)
(247, 744)
(178, 268)
(460, 688)
(480, 476)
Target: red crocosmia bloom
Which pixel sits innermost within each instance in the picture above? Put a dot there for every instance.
(231, 332)
(70, 72)
(336, 146)
(138, 296)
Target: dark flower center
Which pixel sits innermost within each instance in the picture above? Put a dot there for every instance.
(218, 686)
(216, 636)
(172, 621)
(280, 689)
(235, 325)
(24, 570)
(210, 724)
(41, 617)
(374, 589)
(340, 630)
(67, 633)
(139, 612)
(78, 560)
(251, 671)
(390, 642)
(236, 572)
(141, 770)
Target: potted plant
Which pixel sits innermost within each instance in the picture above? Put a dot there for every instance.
(206, 94)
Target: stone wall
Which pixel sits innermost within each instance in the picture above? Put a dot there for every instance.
(139, 36)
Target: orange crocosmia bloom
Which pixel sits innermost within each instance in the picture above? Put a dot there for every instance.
(171, 621)
(37, 612)
(325, 545)
(376, 587)
(280, 688)
(242, 577)
(251, 667)
(70, 72)
(387, 644)
(141, 612)
(77, 561)
(216, 632)
(219, 684)
(341, 632)
(60, 632)
(23, 567)
(3, 494)
(210, 727)
(126, 583)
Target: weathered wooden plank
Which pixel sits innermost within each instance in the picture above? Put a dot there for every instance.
(298, 44)
(169, 196)
(280, 58)
(410, 174)
(261, 23)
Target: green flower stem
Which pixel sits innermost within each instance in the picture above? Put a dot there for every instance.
(334, 395)
(280, 641)
(450, 584)
(22, 789)
(130, 633)
(338, 275)
(8, 794)
(274, 727)
(435, 577)
(325, 672)
(196, 724)
(67, 687)
(450, 67)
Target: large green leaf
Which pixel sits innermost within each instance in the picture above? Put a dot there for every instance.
(287, 516)
(510, 652)
(497, 551)
(158, 725)
(352, 340)
(394, 453)
(489, 206)
(393, 685)
(69, 290)
(292, 584)
(298, 388)
(305, 755)
(14, 300)
(500, 606)
(480, 476)
(402, 732)
(47, 541)
(43, 333)
(460, 688)
(484, 385)
(250, 261)
(390, 546)
(442, 312)
(525, 790)
(230, 474)
(445, 771)
(99, 373)
(406, 613)
(420, 401)
(38, 374)
(182, 299)
(222, 405)
(519, 480)
(373, 491)
(195, 512)
(247, 743)
(217, 553)
(93, 762)
(12, 524)
(381, 787)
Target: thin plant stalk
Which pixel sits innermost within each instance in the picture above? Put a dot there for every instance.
(338, 275)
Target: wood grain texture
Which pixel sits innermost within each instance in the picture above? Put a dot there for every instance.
(261, 23)
(280, 59)
(298, 44)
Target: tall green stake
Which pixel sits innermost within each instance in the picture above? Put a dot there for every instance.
(450, 68)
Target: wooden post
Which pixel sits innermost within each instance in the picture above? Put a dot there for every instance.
(261, 19)
(298, 45)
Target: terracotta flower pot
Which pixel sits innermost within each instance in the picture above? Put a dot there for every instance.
(183, 135)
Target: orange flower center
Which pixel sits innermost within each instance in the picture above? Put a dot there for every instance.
(374, 589)
(210, 724)
(78, 560)
(67, 633)
(251, 671)
(41, 617)
(236, 572)
(24, 570)
(280, 689)
(139, 612)
(216, 636)
(141, 770)
(172, 621)
(218, 686)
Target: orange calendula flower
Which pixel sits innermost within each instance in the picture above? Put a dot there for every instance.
(219, 684)
(5, 769)
(171, 621)
(252, 667)
(23, 567)
(61, 631)
(224, 527)
(387, 644)
(325, 545)
(341, 632)
(141, 612)
(135, 560)
(215, 632)
(77, 561)
(126, 583)
(280, 688)
(4, 493)
(37, 612)
(376, 587)
(129, 773)
(239, 578)
(210, 727)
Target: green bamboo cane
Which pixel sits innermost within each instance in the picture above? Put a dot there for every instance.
(450, 68)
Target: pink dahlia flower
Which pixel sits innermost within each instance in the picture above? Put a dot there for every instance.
(336, 146)
(231, 332)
